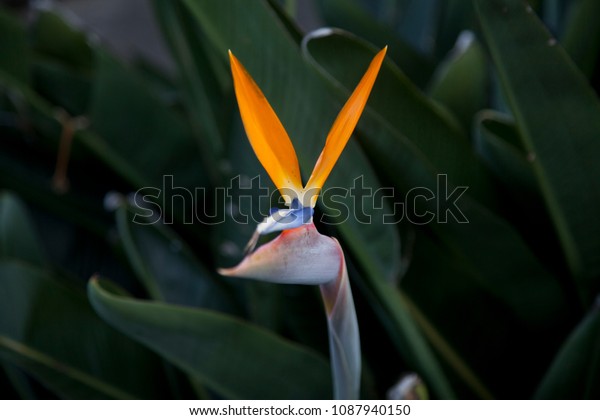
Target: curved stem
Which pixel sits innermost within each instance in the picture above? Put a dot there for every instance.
(344, 338)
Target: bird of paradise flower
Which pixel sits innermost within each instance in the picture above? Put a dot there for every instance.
(300, 254)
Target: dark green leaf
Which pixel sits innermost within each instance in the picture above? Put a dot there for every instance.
(415, 21)
(201, 86)
(286, 14)
(51, 331)
(455, 17)
(54, 38)
(28, 172)
(558, 117)
(396, 103)
(349, 15)
(67, 381)
(461, 81)
(498, 143)
(409, 338)
(445, 291)
(439, 292)
(236, 359)
(62, 86)
(581, 38)
(574, 372)
(15, 56)
(18, 239)
(143, 139)
(166, 267)
(15, 380)
(552, 13)
(407, 168)
(503, 265)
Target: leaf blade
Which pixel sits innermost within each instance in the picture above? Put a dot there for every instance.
(558, 116)
(88, 352)
(206, 344)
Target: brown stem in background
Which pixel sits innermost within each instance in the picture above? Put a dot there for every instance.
(70, 126)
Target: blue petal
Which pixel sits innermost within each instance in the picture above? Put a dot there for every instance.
(283, 219)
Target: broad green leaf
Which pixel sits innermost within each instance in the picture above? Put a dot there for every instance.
(574, 372)
(397, 317)
(68, 382)
(236, 359)
(462, 371)
(558, 117)
(18, 239)
(409, 338)
(503, 265)
(50, 331)
(499, 144)
(452, 305)
(15, 56)
(461, 80)
(581, 37)
(138, 135)
(167, 267)
(202, 89)
(350, 15)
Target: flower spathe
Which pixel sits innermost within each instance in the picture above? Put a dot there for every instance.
(304, 256)
(300, 254)
(284, 259)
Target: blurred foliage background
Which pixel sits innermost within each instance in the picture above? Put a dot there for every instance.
(499, 95)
